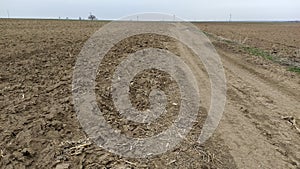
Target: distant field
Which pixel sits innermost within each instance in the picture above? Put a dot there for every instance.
(279, 38)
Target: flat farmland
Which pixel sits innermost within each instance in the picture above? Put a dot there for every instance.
(280, 39)
(39, 126)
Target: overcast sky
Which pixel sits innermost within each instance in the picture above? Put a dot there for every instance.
(185, 9)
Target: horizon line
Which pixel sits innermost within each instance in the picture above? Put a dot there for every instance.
(110, 20)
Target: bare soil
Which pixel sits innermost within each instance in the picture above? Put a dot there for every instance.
(39, 127)
(280, 39)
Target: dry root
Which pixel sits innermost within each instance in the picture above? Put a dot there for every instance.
(75, 147)
(292, 120)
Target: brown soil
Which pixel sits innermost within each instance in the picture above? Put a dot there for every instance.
(38, 123)
(281, 39)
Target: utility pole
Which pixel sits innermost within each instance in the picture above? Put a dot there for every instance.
(7, 13)
(174, 17)
(137, 18)
(230, 17)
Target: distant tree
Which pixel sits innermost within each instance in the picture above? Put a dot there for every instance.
(92, 17)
